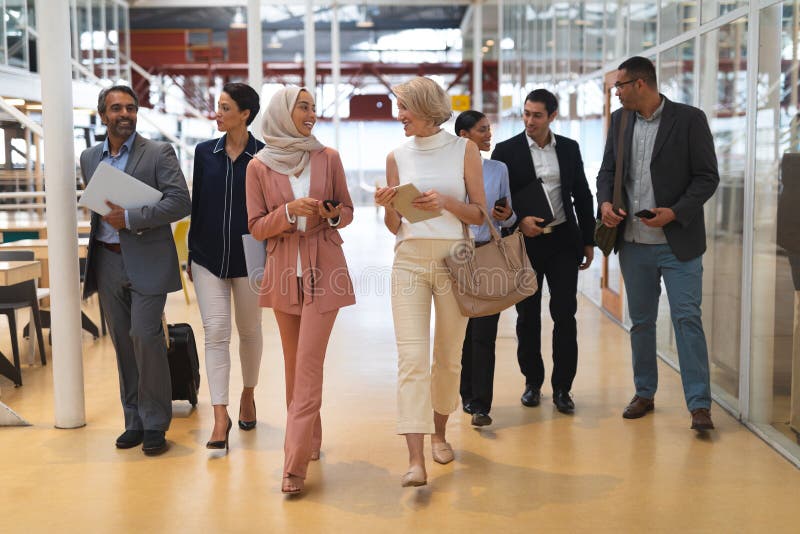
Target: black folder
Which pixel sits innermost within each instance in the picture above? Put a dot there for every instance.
(532, 200)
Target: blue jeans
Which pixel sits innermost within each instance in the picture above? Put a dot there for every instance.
(643, 266)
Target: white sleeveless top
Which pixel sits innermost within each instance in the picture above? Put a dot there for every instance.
(433, 162)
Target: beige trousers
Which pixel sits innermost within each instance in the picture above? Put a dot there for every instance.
(419, 277)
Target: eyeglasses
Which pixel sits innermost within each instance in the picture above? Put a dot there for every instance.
(617, 85)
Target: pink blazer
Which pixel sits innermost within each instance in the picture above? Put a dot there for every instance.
(326, 281)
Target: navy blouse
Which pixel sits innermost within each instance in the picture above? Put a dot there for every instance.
(219, 212)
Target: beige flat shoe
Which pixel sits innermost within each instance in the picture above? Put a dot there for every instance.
(442, 452)
(292, 485)
(415, 477)
(314, 456)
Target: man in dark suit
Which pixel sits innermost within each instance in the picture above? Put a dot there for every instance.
(555, 213)
(132, 263)
(669, 172)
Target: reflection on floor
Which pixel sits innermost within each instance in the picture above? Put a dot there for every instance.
(532, 469)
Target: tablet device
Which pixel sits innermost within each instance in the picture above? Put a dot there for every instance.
(402, 202)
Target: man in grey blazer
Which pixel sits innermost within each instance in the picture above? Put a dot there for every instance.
(132, 264)
(669, 172)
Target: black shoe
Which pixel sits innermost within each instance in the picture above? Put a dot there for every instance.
(481, 419)
(224, 444)
(468, 408)
(130, 439)
(248, 425)
(563, 401)
(154, 443)
(531, 397)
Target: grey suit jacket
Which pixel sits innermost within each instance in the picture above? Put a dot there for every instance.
(683, 169)
(148, 249)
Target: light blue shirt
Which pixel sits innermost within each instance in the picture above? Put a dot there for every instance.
(106, 232)
(495, 182)
(639, 187)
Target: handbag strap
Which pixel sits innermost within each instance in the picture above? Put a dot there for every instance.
(492, 229)
(620, 162)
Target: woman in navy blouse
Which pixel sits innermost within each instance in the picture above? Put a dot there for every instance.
(216, 257)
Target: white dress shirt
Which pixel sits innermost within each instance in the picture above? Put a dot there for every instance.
(545, 163)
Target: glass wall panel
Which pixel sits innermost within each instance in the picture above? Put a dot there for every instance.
(775, 342)
(594, 13)
(643, 25)
(562, 51)
(723, 97)
(714, 8)
(616, 30)
(16, 21)
(591, 136)
(677, 17)
(676, 76)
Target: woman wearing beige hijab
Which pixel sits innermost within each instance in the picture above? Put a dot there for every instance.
(289, 184)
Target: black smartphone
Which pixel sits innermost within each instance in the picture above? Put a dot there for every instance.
(329, 204)
(500, 203)
(545, 222)
(645, 214)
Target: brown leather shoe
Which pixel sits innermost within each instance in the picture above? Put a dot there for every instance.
(638, 407)
(701, 419)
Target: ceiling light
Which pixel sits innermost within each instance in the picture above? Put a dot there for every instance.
(485, 49)
(238, 19)
(15, 101)
(489, 42)
(34, 107)
(274, 42)
(364, 20)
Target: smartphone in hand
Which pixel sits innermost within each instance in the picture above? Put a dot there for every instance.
(329, 204)
(500, 203)
(645, 214)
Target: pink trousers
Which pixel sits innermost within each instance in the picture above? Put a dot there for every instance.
(304, 338)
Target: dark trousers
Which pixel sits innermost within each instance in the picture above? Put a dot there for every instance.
(553, 257)
(477, 363)
(134, 322)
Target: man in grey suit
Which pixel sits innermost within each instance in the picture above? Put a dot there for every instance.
(669, 172)
(132, 264)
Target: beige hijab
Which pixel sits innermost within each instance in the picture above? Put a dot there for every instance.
(285, 151)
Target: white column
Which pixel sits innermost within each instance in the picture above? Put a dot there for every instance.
(255, 58)
(310, 52)
(336, 70)
(62, 223)
(477, 55)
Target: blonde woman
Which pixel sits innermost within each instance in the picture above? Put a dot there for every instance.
(305, 278)
(448, 171)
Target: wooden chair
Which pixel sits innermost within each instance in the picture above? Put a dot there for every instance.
(16, 297)
(181, 235)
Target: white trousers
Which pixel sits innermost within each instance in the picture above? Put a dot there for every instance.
(214, 299)
(419, 278)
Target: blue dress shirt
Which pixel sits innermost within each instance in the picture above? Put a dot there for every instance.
(106, 232)
(495, 182)
(219, 210)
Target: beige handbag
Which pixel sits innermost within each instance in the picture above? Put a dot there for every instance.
(492, 277)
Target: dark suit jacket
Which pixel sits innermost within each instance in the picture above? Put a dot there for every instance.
(683, 169)
(527, 191)
(148, 249)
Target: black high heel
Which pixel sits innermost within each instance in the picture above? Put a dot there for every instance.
(248, 425)
(221, 444)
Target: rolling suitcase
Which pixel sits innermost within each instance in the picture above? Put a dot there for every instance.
(184, 366)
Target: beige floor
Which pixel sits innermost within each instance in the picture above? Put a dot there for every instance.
(533, 470)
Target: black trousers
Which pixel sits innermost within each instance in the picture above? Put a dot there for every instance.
(554, 258)
(477, 363)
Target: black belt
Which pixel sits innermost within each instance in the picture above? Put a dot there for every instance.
(113, 247)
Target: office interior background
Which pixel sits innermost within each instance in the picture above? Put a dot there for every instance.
(736, 60)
